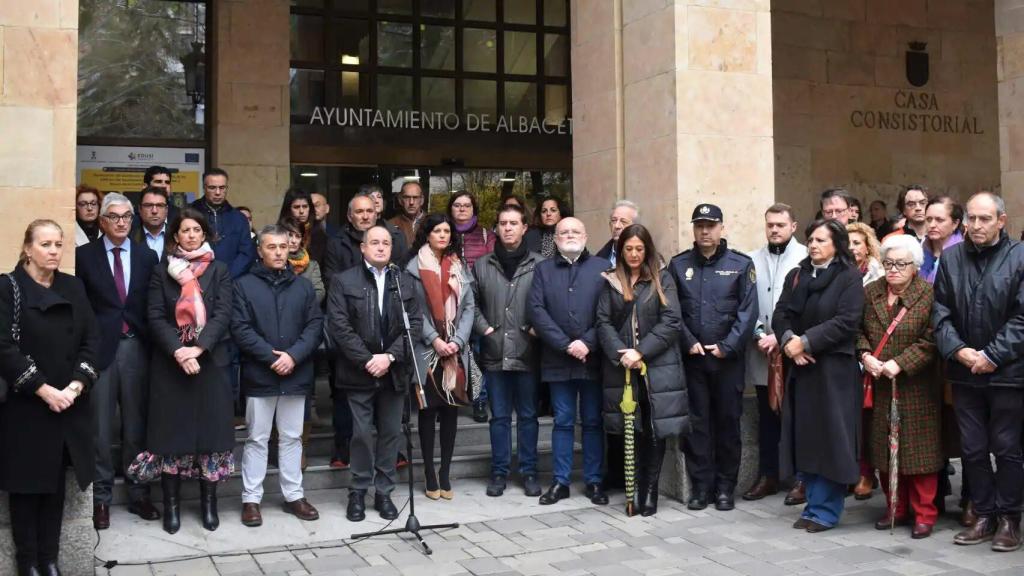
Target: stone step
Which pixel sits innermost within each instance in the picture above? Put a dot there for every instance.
(470, 461)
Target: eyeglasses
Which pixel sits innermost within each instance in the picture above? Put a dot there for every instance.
(834, 212)
(898, 265)
(154, 205)
(115, 218)
(84, 204)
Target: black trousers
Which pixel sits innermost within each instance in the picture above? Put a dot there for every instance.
(36, 521)
(769, 431)
(990, 423)
(712, 449)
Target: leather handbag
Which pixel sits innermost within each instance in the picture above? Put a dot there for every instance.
(5, 387)
(869, 381)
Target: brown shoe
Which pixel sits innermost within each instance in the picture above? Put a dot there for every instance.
(796, 495)
(251, 516)
(302, 510)
(1007, 537)
(100, 516)
(863, 490)
(801, 523)
(886, 521)
(813, 527)
(968, 517)
(920, 531)
(983, 530)
(764, 486)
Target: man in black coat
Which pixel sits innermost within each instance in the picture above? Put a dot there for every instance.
(115, 272)
(149, 227)
(561, 307)
(978, 318)
(364, 319)
(277, 325)
(719, 308)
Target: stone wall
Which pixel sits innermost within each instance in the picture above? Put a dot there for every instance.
(38, 104)
(843, 99)
(251, 112)
(1009, 23)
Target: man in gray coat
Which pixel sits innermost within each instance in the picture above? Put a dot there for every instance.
(508, 350)
(771, 264)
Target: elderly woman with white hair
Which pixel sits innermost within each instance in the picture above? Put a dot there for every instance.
(896, 348)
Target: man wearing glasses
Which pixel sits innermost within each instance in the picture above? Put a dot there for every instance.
(408, 220)
(912, 202)
(151, 225)
(115, 272)
(835, 205)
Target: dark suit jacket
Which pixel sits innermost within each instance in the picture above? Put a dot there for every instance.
(93, 268)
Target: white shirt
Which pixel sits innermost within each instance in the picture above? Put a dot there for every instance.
(126, 261)
(380, 277)
(156, 243)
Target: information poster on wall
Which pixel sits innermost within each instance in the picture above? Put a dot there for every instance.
(120, 169)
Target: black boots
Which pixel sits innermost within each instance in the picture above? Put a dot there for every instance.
(170, 484)
(648, 473)
(208, 504)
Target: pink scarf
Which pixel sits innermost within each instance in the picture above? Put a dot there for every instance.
(186, 268)
(442, 283)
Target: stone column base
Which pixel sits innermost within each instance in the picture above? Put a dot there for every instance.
(77, 539)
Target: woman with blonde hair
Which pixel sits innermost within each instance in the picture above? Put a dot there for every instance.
(865, 248)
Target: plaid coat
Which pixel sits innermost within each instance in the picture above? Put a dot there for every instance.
(920, 387)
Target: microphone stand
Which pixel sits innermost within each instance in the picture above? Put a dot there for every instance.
(412, 524)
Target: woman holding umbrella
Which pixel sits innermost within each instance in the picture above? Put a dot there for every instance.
(818, 316)
(638, 328)
(897, 350)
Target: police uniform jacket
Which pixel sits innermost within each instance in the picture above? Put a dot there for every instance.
(717, 300)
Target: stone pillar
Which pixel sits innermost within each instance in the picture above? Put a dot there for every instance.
(1009, 22)
(38, 106)
(251, 112)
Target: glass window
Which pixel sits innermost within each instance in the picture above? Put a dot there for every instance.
(352, 41)
(521, 11)
(394, 44)
(354, 92)
(556, 54)
(520, 99)
(307, 38)
(308, 3)
(520, 53)
(114, 58)
(479, 50)
(437, 47)
(394, 92)
(556, 103)
(394, 6)
(438, 8)
(307, 91)
(482, 10)
(480, 97)
(554, 13)
(437, 95)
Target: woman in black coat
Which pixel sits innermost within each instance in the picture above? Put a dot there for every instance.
(46, 422)
(818, 316)
(191, 407)
(638, 324)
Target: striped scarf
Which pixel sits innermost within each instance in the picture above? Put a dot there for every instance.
(186, 268)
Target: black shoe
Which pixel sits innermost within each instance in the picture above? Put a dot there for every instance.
(698, 500)
(649, 502)
(170, 484)
(596, 494)
(208, 505)
(28, 569)
(555, 493)
(531, 487)
(496, 487)
(356, 511)
(479, 412)
(49, 569)
(724, 501)
(382, 503)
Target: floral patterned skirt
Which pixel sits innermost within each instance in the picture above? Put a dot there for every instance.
(210, 467)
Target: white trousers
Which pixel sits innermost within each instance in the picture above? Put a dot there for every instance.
(259, 417)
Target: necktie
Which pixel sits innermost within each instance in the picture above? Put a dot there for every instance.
(122, 292)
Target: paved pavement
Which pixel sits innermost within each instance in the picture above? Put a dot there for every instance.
(514, 535)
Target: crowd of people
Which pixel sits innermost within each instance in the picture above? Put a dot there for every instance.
(181, 320)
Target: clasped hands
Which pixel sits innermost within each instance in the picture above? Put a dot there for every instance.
(890, 369)
(59, 400)
(975, 360)
(578, 350)
(699, 349)
(794, 349)
(630, 359)
(187, 358)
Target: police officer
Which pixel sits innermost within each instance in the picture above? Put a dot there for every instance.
(719, 309)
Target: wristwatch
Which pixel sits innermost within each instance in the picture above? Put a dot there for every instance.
(76, 388)
(391, 357)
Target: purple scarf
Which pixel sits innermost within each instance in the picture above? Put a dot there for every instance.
(931, 262)
(463, 228)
